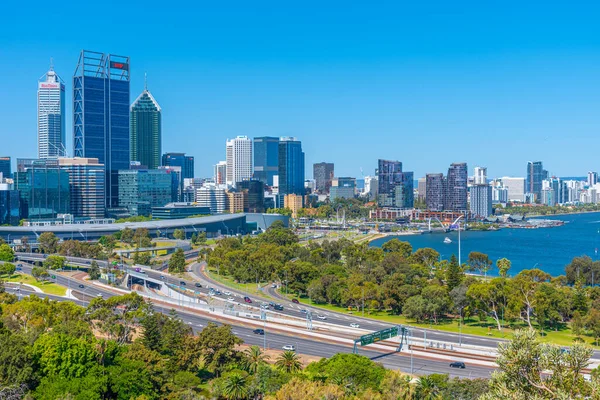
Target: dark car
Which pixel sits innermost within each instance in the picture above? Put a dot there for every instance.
(295, 301)
(81, 286)
(457, 364)
(182, 283)
(259, 331)
(278, 307)
(197, 284)
(247, 299)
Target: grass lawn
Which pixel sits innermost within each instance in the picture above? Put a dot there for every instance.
(164, 243)
(249, 288)
(47, 287)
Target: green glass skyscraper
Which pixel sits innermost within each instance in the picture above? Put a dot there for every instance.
(146, 132)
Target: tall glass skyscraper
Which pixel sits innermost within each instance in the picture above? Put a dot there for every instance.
(184, 163)
(456, 187)
(51, 115)
(266, 159)
(5, 168)
(535, 175)
(145, 133)
(101, 115)
(291, 166)
(323, 174)
(395, 186)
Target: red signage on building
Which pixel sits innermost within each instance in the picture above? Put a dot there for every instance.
(119, 65)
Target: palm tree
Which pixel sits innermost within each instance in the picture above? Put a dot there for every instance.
(427, 388)
(235, 387)
(254, 359)
(289, 362)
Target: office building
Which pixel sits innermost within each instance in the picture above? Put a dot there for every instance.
(323, 174)
(101, 115)
(395, 186)
(342, 188)
(214, 197)
(515, 187)
(480, 176)
(51, 116)
(266, 159)
(422, 189)
(255, 195)
(435, 191)
(481, 200)
(291, 166)
(237, 201)
(186, 168)
(456, 188)
(5, 167)
(43, 188)
(293, 202)
(86, 181)
(535, 175)
(146, 130)
(239, 159)
(560, 191)
(10, 204)
(592, 178)
(221, 173)
(371, 187)
(178, 211)
(177, 183)
(142, 189)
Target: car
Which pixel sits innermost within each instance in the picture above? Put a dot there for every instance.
(218, 292)
(295, 301)
(259, 331)
(99, 295)
(274, 286)
(289, 347)
(162, 278)
(322, 317)
(138, 269)
(457, 364)
(278, 307)
(20, 265)
(230, 299)
(226, 293)
(354, 325)
(182, 283)
(303, 311)
(81, 286)
(247, 299)
(197, 285)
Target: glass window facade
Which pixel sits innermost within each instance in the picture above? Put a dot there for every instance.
(145, 132)
(291, 167)
(10, 207)
(143, 189)
(266, 159)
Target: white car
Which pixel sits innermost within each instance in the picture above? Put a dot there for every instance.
(322, 317)
(354, 325)
(227, 293)
(289, 347)
(230, 299)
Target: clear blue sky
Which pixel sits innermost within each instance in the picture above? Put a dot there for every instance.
(493, 85)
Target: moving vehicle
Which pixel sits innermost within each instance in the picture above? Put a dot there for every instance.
(230, 298)
(162, 278)
(197, 285)
(278, 307)
(81, 286)
(457, 364)
(322, 317)
(259, 331)
(303, 311)
(295, 301)
(274, 286)
(354, 325)
(247, 299)
(227, 293)
(289, 347)
(447, 240)
(182, 283)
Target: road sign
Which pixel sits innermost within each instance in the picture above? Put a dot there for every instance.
(53, 276)
(378, 336)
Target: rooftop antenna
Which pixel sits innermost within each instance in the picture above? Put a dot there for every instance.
(145, 81)
(51, 64)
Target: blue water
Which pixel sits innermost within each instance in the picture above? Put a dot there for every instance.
(550, 248)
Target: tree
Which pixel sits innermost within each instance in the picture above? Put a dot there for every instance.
(254, 359)
(40, 273)
(16, 360)
(415, 308)
(54, 262)
(354, 372)
(289, 362)
(426, 256)
(177, 262)
(7, 269)
(577, 324)
(503, 265)
(529, 369)
(459, 299)
(127, 235)
(63, 355)
(454, 274)
(427, 388)
(299, 389)
(94, 271)
(397, 246)
(235, 387)
(141, 238)
(479, 262)
(490, 296)
(179, 234)
(48, 242)
(109, 242)
(524, 287)
(217, 344)
(593, 323)
(6, 253)
(437, 302)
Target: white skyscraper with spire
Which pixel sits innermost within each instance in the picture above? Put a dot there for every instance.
(51, 115)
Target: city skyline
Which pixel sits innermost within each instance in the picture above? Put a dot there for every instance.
(334, 86)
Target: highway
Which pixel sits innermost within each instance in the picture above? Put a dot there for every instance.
(275, 340)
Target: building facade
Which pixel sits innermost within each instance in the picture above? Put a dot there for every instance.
(255, 195)
(239, 159)
(43, 188)
(396, 188)
(481, 200)
(221, 173)
(5, 167)
(266, 159)
(535, 175)
(293, 202)
(186, 165)
(142, 189)
(456, 188)
(10, 205)
(515, 187)
(323, 174)
(101, 115)
(86, 181)
(146, 131)
(480, 176)
(214, 197)
(435, 191)
(342, 188)
(178, 211)
(51, 116)
(237, 201)
(291, 166)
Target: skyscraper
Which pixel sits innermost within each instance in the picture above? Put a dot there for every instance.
(291, 166)
(395, 186)
(266, 159)
(51, 116)
(43, 187)
(239, 159)
(323, 174)
(456, 187)
(86, 185)
(146, 130)
(435, 187)
(535, 175)
(221, 173)
(481, 200)
(180, 160)
(143, 189)
(480, 176)
(592, 178)
(342, 188)
(5, 167)
(101, 115)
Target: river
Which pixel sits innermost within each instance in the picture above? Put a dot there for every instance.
(549, 249)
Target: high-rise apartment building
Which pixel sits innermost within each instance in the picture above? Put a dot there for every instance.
(323, 174)
(5, 167)
(239, 159)
(221, 173)
(266, 159)
(395, 186)
(142, 189)
(214, 197)
(51, 116)
(535, 175)
(86, 184)
(371, 187)
(592, 178)
(480, 176)
(456, 187)
(291, 166)
(515, 187)
(422, 189)
(435, 191)
(481, 200)
(342, 188)
(43, 187)
(146, 130)
(293, 202)
(101, 115)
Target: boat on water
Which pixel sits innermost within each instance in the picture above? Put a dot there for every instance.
(447, 240)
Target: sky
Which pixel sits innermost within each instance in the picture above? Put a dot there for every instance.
(495, 84)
